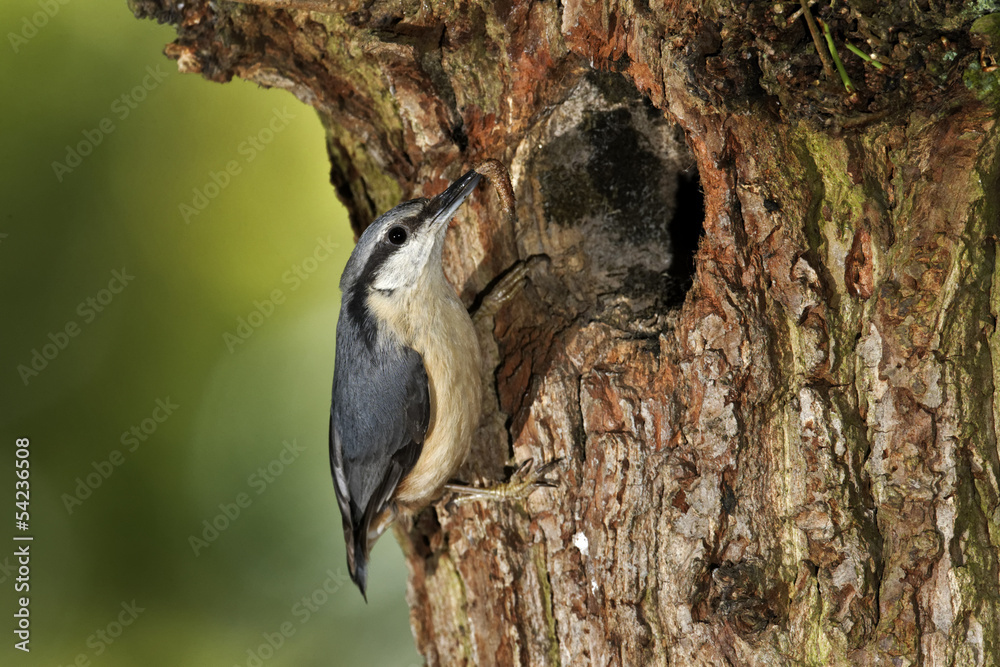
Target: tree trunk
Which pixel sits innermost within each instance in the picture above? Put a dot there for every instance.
(778, 449)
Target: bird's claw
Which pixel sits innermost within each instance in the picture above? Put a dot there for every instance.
(520, 485)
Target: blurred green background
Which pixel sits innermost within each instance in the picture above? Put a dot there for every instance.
(153, 363)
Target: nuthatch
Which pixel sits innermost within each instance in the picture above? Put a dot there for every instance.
(406, 381)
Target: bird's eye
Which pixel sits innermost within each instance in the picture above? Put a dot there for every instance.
(397, 236)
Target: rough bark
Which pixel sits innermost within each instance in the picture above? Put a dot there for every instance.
(790, 457)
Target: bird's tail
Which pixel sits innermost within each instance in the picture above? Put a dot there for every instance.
(357, 562)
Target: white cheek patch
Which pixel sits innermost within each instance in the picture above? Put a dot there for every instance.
(406, 264)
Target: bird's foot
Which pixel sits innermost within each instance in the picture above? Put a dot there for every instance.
(520, 485)
(506, 288)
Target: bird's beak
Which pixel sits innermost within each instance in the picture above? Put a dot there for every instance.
(441, 208)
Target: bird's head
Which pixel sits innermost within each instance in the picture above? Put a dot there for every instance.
(399, 246)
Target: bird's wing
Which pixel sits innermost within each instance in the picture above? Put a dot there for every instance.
(379, 416)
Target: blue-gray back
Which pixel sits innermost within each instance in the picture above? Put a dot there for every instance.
(379, 415)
